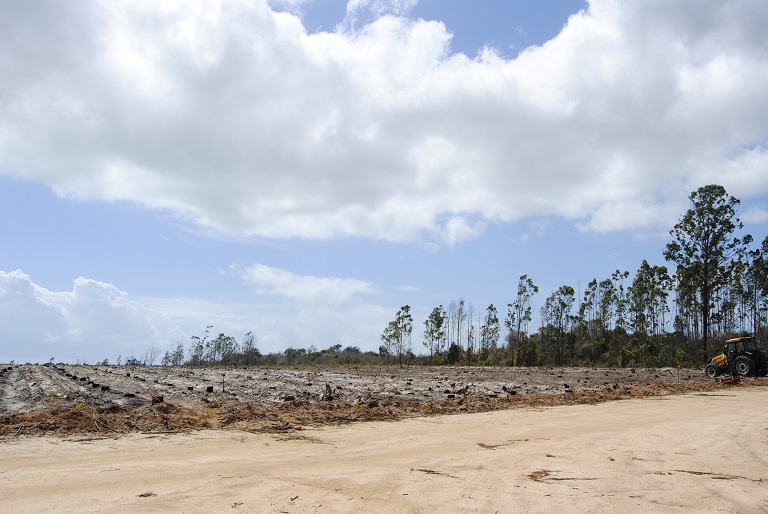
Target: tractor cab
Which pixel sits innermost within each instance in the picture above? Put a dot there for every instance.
(734, 347)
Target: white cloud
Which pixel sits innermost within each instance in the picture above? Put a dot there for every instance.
(638, 215)
(28, 313)
(755, 215)
(96, 320)
(233, 117)
(308, 288)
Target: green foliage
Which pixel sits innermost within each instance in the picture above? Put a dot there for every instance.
(397, 336)
(703, 247)
(436, 332)
(519, 315)
(556, 319)
(490, 329)
(455, 354)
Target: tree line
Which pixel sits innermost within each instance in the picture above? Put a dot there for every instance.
(718, 288)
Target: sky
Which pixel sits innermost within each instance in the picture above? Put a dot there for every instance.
(301, 169)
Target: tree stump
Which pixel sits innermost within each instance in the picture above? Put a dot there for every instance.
(328, 394)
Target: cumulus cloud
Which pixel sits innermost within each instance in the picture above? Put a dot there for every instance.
(308, 288)
(93, 320)
(28, 313)
(230, 115)
(96, 320)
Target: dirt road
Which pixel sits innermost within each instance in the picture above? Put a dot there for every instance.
(699, 452)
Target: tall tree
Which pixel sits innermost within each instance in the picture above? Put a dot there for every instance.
(606, 294)
(471, 339)
(519, 315)
(756, 286)
(435, 331)
(556, 318)
(703, 246)
(588, 316)
(648, 299)
(177, 357)
(197, 347)
(620, 301)
(248, 347)
(490, 329)
(397, 336)
(228, 348)
(460, 318)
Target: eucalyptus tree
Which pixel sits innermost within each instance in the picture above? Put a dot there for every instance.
(686, 307)
(228, 348)
(195, 350)
(620, 299)
(459, 310)
(248, 347)
(756, 286)
(471, 339)
(490, 329)
(648, 299)
(727, 300)
(177, 357)
(588, 312)
(556, 317)
(197, 346)
(704, 245)
(589, 309)
(606, 294)
(212, 350)
(519, 314)
(389, 338)
(397, 336)
(647, 308)
(436, 331)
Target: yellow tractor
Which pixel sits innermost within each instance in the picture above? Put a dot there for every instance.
(740, 357)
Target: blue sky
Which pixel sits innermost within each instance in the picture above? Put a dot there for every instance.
(303, 168)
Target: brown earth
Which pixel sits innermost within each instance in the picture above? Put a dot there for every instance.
(67, 399)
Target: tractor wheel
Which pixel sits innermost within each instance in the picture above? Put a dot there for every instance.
(712, 371)
(744, 366)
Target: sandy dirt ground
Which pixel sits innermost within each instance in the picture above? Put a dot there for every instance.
(703, 451)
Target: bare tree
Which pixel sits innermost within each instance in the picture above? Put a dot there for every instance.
(150, 356)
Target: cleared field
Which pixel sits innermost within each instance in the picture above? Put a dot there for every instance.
(37, 399)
